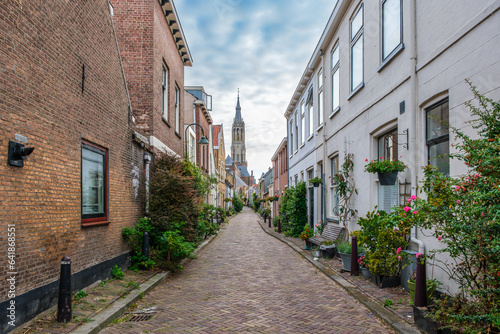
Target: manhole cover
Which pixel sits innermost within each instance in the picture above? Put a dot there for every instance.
(140, 317)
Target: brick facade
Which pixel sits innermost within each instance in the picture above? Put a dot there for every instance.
(279, 161)
(44, 48)
(147, 43)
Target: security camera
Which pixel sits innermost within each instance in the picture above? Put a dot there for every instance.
(18, 153)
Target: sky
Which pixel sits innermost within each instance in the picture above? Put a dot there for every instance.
(259, 46)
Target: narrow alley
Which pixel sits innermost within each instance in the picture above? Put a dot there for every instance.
(247, 281)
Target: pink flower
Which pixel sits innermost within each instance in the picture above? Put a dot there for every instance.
(378, 214)
(482, 213)
(407, 208)
(414, 212)
(409, 200)
(475, 202)
(440, 237)
(413, 197)
(418, 254)
(458, 201)
(398, 250)
(399, 258)
(457, 188)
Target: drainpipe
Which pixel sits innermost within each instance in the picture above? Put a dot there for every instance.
(147, 162)
(414, 116)
(324, 138)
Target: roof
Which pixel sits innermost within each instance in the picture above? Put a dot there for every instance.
(229, 161)
(244, 171)
(216, 134)
(240, 182)
(174, 23)
(282, 144)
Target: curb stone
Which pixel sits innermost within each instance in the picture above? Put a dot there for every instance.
(396, 323)
(116, 309)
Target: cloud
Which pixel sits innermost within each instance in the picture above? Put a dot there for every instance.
(258, 46)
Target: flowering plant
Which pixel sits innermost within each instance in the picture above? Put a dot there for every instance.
(316, 180)
(320, 227)
(384, 166)
(306, 233)
(362, 262)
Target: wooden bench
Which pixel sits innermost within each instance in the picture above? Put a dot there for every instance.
(331, 232)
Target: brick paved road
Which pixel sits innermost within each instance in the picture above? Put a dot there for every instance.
(247, 281)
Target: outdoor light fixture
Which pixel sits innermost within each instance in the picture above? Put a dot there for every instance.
(18, 153)
(203, 140)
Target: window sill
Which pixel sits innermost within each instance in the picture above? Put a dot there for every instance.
(178, 135)
(391, 56)
(336, 110)
(302, 145)
(166, 122)
(333, 220)
(295, 152)
(291, 156)
(310, 137)
(95, 223)
(356, 90)
(319, 127)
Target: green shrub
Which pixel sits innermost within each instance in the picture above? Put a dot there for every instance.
(344, 247)
(116, 272)
(293, 210)
(237, 203)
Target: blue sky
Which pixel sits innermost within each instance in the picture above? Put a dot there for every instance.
(258, 46)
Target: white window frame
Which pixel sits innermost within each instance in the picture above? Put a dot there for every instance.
(310, 111)
(177, 109)
(302, 123)
(335, 77)
(320, 97)
(334, 201)
(164, 87)
(355, 38)
(291, 137)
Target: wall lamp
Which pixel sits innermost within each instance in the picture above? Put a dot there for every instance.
(203, 140)
(18, 153)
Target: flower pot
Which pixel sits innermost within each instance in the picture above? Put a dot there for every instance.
(308, 245)
(316, 184)
(328, 251)
(316, 253)
(386, 281)
(411, 287)
(366, 272)
(387, 179)
(346, 261)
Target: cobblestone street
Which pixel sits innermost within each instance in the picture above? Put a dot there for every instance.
(247, 281)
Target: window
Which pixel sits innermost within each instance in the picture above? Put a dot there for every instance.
(334, 170)
(320, 97)
(192, 147)
(357, 49)
(309, 103)
(177, 110)
(392, 21)
(438, 138)
(164, 95)
(291, 137)
(335, 79)
(388, 196)
(296, 132)
(94, 183)
(302, 123)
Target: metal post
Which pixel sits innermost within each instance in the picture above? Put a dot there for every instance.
(64, 303)
(420, 284)
(354, 257)
(269, 221)
(145, 245)
(279, 225)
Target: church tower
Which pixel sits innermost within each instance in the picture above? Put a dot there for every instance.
(238, 151)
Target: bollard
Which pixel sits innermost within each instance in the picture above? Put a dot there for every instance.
(64, 302)
(145, 245)
(354, 257)
(420, 283)
(269, 221)
(279, 225)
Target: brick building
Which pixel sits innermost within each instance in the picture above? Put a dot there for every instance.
(220, 163)
(154, 52)
(62, 92)
(279, 161)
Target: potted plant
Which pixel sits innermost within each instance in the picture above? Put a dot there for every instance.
(328, 248)
(344, 250)
(306, 234)
(315, 251)
(316, 181)
(363, 265)
(387, 170)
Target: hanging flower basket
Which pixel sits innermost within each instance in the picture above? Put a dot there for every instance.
(316, 181)
(387, 179)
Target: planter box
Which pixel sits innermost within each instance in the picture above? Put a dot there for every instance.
(387, 179)
(328, 251)
(366, 272)
(346, 261)
(386, 281)
(426, 324)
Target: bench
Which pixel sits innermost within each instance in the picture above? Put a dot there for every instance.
(331, 232)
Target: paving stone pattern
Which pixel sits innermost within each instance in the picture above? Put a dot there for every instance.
(247, 281)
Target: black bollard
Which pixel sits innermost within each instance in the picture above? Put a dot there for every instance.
(269, 221)
(145, 245)
(354, 257)
(64, 303)
(279, 225)
(420, 284)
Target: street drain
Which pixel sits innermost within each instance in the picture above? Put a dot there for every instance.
(140, 317)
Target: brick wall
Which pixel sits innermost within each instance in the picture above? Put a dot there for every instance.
(146, 43)
(43, 47)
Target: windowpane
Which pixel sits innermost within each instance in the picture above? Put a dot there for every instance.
(303, 123)
(334, 163)
(320, 108)
(357, 63)
(320, 79)
(391, 15)
(435, 118)
(335, 90)
(357, 22)
(387, 146)
(438, 157)
(311, 124)
(177, 110)
(335, 57)
(164, 98)
(93, 184)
